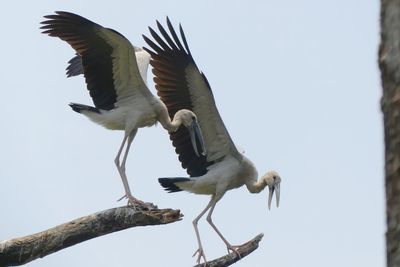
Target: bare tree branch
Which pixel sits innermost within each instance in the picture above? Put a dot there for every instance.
(21, 250)
(231, 258)
(389, 63)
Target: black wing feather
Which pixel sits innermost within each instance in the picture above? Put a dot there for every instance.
(169, 63)
(75, 67)
(94, 51)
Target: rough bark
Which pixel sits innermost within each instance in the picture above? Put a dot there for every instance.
(389, 63)
(231, 258)
(21, 250)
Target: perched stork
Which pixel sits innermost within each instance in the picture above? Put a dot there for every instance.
(116, 84)
(180, 84)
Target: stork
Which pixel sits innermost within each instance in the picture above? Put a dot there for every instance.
(116, 85)
(180, 84)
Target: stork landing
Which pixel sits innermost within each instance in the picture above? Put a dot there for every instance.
(115, 73)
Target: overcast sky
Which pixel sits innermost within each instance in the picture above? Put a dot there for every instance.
(298, 87)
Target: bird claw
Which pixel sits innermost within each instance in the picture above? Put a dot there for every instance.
(138, 204)
(200, 254)
(234, 249)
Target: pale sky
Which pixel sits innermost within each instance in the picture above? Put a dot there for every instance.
(298, 87)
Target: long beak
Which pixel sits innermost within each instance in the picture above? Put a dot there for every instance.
(195, 132)
(277, 193)
(277, 189)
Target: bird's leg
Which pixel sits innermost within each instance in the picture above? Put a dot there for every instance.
(121, 167)
(131, 200)
(117, 163)
(228, 245)
(200, 251)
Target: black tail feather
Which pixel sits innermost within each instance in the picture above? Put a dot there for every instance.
(80, 107)
(169, 183)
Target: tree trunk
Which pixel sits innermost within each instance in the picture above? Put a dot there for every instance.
(389, 63)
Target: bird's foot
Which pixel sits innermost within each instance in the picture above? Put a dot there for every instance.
(138, 204)
(234, 249)
(200, 254)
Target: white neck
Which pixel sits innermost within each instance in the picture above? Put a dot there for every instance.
(255, 186)
(252, 184)
(164, 119)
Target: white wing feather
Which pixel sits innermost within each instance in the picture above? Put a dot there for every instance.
(128, 80)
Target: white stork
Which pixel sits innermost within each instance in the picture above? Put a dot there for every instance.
(121, 98)
(180, 84)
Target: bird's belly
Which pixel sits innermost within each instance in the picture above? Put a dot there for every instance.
(147, 120)
(228, 174)
(115, 120)
(207, 186)
(235, 183)
(203, 188)
(142, 116)
(115, 124)
(127, 119)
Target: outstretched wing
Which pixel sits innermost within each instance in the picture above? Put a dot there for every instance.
(75, 67)
(181, 85)
(108, 58)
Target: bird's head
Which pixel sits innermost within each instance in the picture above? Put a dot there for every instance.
(273, 181)
(186, 117)
(189, 120)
